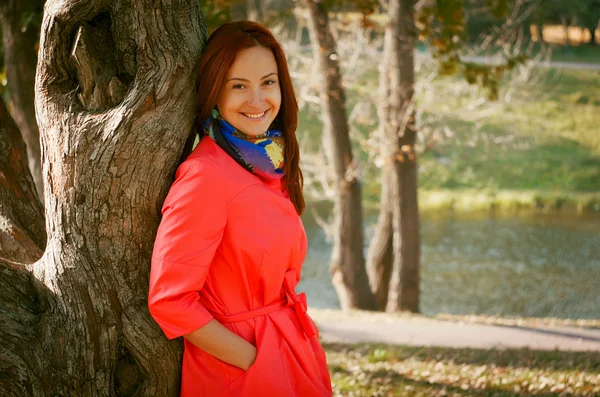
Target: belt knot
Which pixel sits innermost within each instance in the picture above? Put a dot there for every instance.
(298, 302)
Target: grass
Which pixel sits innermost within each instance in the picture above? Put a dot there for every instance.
(543, 139)
(383, 370)
(540, 149)
(577, 54)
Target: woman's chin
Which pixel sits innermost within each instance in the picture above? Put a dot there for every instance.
(255, 130)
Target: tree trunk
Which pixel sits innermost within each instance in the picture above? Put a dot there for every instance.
(22, 231)
(238, 11)
(115, 105)
(540, 29)
(20, 57)
(539, 20)
(251, 10)
(254, 10)
(399, 174)
(565, 25)
(594, 41)
(347, 263)
(381, 254)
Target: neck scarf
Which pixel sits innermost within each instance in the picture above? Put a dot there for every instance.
(261, 155)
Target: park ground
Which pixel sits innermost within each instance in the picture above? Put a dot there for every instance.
(380, 354)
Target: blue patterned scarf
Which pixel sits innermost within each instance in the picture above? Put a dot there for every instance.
(261, 155)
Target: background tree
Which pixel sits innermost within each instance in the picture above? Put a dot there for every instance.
(563, 12)
(347, 262)
(394, 253)
(589, 17)
(20, 35)
(115, 104)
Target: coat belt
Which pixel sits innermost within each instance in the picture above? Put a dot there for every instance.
(296, 301)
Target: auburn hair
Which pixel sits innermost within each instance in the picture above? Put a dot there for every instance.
(219, 54)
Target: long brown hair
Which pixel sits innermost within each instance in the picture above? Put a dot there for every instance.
(219, 55)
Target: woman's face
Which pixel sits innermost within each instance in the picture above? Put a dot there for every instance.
(251, 96)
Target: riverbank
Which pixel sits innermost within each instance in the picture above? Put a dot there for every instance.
(508, 202)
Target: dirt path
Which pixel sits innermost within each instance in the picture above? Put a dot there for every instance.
(336, 326)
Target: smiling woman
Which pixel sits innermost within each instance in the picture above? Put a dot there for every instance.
(230, 247)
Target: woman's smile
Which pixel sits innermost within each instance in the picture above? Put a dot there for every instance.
(256, 116)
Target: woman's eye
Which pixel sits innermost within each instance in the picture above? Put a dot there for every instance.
(270, 82)
(237, 86)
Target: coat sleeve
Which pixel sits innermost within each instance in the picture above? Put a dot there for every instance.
(194, 215)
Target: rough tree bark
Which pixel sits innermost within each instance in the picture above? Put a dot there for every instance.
(115, 104)
(394, 253)
(380, 255)
(22, 231)
(20, 39)
(347, 263)
(22, 238)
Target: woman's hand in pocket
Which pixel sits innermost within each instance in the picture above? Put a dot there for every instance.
(248, 356)
(221, 342)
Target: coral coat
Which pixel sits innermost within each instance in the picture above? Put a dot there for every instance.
(230, 246)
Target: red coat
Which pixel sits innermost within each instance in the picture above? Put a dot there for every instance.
(230, 246)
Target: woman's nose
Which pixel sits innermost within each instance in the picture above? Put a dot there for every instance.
(256, 98)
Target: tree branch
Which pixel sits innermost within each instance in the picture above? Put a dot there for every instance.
(22, 230)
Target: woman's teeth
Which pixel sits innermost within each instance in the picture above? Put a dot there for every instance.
(254, 115)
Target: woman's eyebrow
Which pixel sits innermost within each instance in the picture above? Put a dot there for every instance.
(262, 78)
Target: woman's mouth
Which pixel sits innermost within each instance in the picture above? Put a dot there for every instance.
(256, 116)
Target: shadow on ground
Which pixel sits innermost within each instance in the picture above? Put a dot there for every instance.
(382, 370)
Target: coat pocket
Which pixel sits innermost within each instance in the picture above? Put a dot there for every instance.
(234, 374)
(238, 376)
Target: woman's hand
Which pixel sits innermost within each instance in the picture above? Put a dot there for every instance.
(250, 357)
(219, 341)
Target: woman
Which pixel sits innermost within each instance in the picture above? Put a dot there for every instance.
(230, 246)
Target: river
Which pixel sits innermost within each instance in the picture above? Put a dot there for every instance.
(535, 265)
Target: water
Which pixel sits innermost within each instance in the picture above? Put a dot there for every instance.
(534, 266)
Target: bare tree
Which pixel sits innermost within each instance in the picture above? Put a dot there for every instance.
(115, 104)
(347, 262)
(394, 253)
